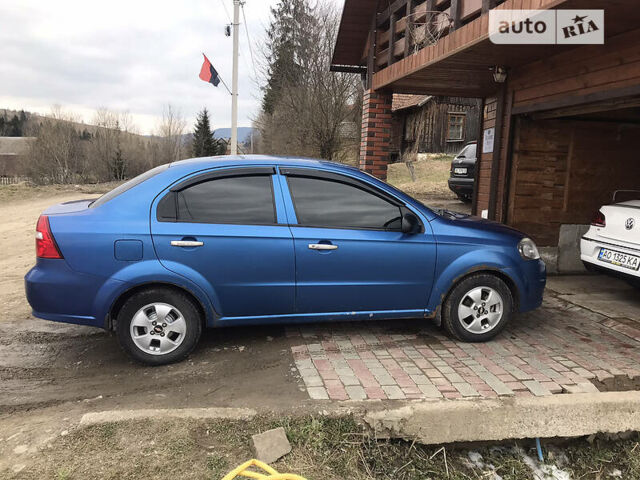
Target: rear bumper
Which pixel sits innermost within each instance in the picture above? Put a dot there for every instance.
(56, 292)
(462, 186)
(590, 249)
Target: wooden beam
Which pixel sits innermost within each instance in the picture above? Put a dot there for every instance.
(497, 149)
(393, 8)
(476, 175)
(488, 5)
(371, 61)
(454, 13)
(392, 39)
(508, 137)
(572, 100)
(407, 28)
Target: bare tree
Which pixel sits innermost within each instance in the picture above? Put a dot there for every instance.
(57, 155)
(317, 112)
(171, 131)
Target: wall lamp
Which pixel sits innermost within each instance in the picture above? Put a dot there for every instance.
(499, 74)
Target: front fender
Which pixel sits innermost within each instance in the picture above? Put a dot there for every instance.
(472, 261)
(147, 272)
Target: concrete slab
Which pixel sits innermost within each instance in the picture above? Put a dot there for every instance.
(271, 445)
(576, 284)
(527, 417)
(605, 295)
(569, 248)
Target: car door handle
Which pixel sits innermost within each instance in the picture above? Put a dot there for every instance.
(186, 243)
(322, 246)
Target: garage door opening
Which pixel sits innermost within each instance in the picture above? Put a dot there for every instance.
(568, 162)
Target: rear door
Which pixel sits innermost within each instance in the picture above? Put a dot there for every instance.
(226, 230)
(350, 253)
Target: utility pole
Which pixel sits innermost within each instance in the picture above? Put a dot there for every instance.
(234, 79)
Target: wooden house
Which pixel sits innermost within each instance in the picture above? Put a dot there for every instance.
(559, 121)
(432, 124)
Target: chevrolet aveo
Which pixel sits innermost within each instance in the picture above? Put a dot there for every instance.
(254, 240)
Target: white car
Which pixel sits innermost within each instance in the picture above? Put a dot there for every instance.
(612, 244)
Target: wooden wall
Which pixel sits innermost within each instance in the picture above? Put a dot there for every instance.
(564, 170)
(569, 78)
(581, 71)
(427, 125)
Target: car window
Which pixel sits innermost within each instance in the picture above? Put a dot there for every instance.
(328, 203)
(128, 185)
(469, 151)
(235, 200)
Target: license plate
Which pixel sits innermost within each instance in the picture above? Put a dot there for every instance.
(460, 171)
(620, 259)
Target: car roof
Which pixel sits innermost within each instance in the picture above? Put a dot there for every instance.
(235, 160)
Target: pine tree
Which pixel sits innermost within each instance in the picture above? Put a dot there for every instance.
(204, 144)
(288, 41)
(15, 128)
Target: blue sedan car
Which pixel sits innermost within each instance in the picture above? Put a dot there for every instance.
(256, 240)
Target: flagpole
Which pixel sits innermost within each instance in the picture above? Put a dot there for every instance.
(234, 80)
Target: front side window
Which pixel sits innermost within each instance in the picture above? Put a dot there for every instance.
(328, 203)
(232, 200)
(455, 127)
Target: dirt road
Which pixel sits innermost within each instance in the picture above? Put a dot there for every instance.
(44, 363)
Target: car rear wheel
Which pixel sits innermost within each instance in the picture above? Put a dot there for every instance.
(478, 308)
(159, 326)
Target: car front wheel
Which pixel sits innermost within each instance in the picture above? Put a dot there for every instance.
(478, 308)
(159, 326)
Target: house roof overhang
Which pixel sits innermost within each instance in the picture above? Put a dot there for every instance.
(460, 63)
(351, 41)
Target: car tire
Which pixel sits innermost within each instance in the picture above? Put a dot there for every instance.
(478, 308)
(158, 326)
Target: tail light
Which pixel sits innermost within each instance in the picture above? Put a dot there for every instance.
(45, 243)
(599, 220)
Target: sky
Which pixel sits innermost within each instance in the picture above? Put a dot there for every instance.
(133, 56)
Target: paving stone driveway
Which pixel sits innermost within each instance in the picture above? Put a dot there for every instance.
(559, 348)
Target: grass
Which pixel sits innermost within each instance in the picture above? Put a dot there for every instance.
(429, 176)
(323, 448)
(23, 190)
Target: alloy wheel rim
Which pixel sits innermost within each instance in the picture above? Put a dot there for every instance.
(480, 310)
(158, 328)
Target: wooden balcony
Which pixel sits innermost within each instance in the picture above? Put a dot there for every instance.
(406, 26)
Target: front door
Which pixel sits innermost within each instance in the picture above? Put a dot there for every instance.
(350, 253)
(220, 229)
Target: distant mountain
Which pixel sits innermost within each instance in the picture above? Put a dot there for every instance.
(244, 133)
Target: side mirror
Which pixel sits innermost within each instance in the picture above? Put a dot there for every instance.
(409, 223)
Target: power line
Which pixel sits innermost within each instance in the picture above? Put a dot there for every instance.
(226, 11)
(246, 30)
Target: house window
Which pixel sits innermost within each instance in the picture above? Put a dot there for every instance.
(455, 127)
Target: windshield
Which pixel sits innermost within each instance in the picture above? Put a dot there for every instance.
(128, 185)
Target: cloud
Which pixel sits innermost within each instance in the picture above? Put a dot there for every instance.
(135, 55)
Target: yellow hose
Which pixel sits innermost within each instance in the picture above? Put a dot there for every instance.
(243, 471)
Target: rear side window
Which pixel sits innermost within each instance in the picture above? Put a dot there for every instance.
(128, 185)
(233, 200)
(469, 151)
(328, 203)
